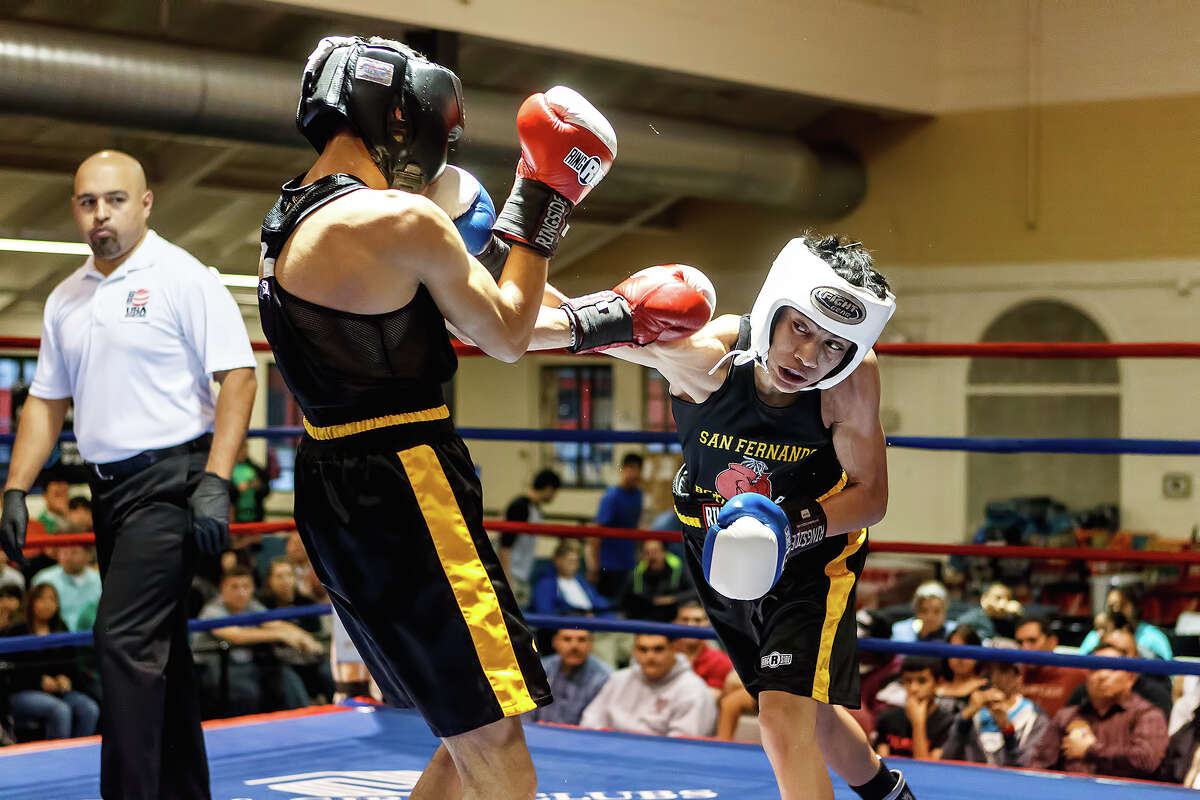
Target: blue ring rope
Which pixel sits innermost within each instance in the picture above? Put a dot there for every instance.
(16, 644)
(972, 444)
(1147, 666)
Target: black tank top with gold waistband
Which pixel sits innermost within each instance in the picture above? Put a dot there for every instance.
(733, 442)
(341, 366)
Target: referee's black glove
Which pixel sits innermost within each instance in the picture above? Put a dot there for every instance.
(210, 514)
(13, 522)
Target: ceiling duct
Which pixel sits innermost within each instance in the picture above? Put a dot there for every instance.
(86, 77)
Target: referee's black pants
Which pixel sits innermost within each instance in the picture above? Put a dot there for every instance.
(153, 748)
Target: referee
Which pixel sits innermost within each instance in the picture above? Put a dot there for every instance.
(133, 337)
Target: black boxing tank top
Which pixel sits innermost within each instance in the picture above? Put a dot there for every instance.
(345, 367)
(733, 442)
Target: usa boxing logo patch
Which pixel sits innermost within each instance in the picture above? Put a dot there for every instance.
(838, 305)
(135, 304)
(586, 167)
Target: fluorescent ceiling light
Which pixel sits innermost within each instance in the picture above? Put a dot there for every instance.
(53, 248)
(236, 281)
(81, 249)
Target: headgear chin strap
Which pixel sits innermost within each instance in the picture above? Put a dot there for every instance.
(801, 280)
(406, 109)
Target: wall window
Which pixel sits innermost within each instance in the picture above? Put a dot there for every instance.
(578, 399)
(658, 411)
(16, 374)
(1034, 397)
(282, 410)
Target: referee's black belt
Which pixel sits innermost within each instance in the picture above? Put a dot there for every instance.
(120, 470)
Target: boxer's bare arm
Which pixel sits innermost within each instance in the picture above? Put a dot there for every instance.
(683, 362)
(852, 409)
(498, 316)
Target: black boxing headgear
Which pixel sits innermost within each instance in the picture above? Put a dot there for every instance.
(405, 108)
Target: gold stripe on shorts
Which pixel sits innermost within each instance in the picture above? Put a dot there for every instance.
(841, 583)
(375, 423)
(468, 579)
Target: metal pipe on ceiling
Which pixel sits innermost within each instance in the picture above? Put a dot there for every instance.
(97, 78)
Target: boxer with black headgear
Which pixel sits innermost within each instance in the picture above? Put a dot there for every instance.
(784, 468)
(361, 272)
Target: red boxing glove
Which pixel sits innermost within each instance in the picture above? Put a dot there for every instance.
(657, 304)
(567, 147)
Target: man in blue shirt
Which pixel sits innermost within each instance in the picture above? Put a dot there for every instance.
(77, 584)
(611, 561)
(575, 675)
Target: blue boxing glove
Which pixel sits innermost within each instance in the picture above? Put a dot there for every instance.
(467, 203)
(746, 549)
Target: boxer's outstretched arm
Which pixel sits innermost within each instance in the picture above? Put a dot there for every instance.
(683, 362)
(852, 409)
(497, 315)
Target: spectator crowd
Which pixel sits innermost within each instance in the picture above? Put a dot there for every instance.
(1111, 722)
(53, 693)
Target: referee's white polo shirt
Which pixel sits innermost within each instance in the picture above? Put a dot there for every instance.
(136, 350)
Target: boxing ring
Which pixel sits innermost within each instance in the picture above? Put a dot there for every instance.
(365, 751)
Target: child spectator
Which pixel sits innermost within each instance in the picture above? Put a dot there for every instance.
(921, 727)
(998, 726)
(962, 676)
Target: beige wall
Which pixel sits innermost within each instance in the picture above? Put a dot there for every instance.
(859, 51)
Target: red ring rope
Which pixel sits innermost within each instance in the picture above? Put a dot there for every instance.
(595, 531)
(922, 349)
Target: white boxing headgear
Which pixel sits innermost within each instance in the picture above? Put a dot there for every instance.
(801, 280)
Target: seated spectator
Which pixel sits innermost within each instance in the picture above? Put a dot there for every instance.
(517, 549)
(563, 592)
(575, 675)
(10, 606)
(962, 677)
(998, 726)
(1048, 686)
(929, 623)
(297, 556)
(79, 514)
(280, 591)
(658, 585)
(10, 575)
(1155, 689)
(42, 682)
(735, 703)
(920, 728)
(875, 670)
(1182, 762)
(1126, 600)
(709, 663)
(657, 694)
(996, 614)
(1112, 732)
(255, 680)
(77, 584)
(55, 518)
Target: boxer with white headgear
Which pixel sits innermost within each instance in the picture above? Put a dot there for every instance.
(784, 468)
